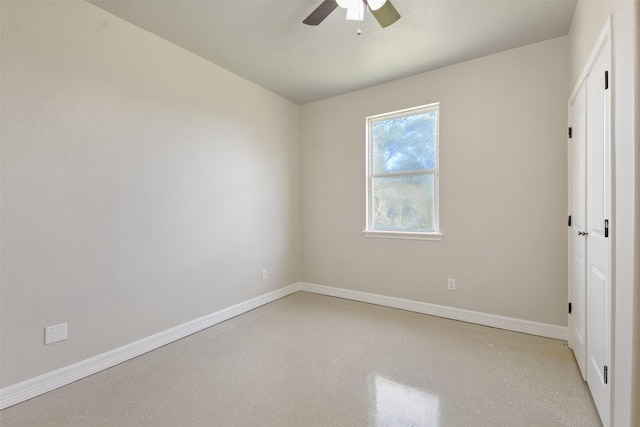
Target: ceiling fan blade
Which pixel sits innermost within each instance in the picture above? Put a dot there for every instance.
(386, 15)
(321, 12)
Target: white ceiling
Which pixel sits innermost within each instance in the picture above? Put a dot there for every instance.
(265, 41)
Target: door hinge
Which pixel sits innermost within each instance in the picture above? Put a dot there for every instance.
(606, 375)
(569, 222)
(570, 132)
(606, 80)
(569, 308)
(606, 228)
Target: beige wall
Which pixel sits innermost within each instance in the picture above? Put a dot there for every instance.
(502, 188)
(142, 186)
(588, 22)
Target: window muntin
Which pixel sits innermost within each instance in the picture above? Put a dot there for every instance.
(402, 173)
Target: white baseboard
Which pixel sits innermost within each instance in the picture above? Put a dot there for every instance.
(492, 320)
(33, 387)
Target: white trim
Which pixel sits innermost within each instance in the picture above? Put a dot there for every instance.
(39, 385)
(402, 235)
(36, 386)
(485, 319)
(605, 34)
(404, 111)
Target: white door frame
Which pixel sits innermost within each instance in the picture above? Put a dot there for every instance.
(604, 37)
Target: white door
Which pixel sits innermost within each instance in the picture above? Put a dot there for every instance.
(578, 242)
(598, 136)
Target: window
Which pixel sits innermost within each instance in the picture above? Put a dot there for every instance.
(402, 174)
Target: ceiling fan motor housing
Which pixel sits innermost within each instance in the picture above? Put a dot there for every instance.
(384, 12)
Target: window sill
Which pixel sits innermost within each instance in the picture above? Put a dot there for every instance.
(402, 235)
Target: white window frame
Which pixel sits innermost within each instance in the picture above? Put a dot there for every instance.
(414, 235)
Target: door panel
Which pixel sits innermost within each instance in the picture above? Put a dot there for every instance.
(597, 297)
(598, 136)
(578, 244)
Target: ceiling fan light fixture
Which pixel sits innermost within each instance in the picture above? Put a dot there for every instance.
(383, 10)
(355, 11)
(376, 4)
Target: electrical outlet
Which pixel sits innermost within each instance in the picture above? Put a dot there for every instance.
(451, 284)
(55, 333)
(265, 274)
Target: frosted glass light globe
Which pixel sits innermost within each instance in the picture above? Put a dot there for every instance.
(374, 4)
(345, 3)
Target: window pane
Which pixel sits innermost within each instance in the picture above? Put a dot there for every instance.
(405, 143)
(404, 203)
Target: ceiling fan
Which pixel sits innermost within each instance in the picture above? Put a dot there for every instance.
(384, 12)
